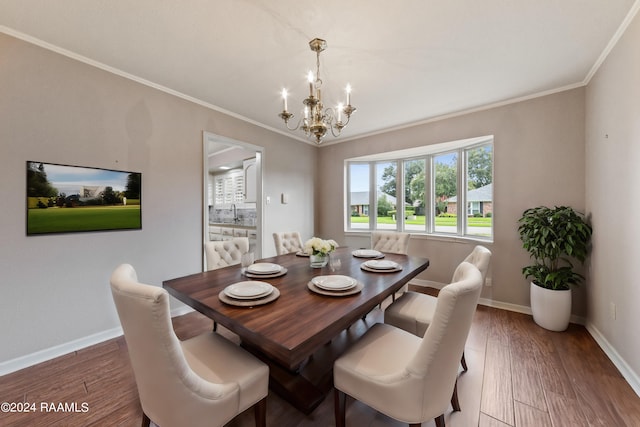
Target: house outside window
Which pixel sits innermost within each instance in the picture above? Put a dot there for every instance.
(419, 190)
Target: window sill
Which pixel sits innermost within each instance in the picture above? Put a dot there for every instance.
(424, 236)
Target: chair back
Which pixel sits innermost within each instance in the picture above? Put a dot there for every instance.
(390, 241)
(481, 258)
(438, 357)
(287, 242)
(225, 252)
(170, 392)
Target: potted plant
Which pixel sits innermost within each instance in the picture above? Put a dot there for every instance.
(553, 237)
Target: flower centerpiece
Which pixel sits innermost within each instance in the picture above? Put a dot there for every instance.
(319, 250)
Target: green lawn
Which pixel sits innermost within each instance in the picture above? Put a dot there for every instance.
(61, 220)
(440, 221)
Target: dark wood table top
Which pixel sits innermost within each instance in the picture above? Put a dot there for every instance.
(294, 326)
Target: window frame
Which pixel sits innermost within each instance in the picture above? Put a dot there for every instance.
(428, 154)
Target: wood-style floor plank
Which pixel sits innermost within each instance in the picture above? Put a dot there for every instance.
(565, 411)
(497, 394)
(528, 416)
(487, 421)
(527, 387)
(520, 375)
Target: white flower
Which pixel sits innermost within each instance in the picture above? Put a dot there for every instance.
(317, 246)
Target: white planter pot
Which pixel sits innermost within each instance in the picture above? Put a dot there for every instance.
(551, 309)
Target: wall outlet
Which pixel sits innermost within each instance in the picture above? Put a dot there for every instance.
(487, 282)
(612, 310)
(268, 200)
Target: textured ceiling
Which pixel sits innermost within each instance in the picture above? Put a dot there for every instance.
(407, 61)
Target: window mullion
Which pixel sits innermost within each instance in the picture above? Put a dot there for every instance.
(462, 193)
(373, 197)
(429, 189)
(347, 187)
(400, 195)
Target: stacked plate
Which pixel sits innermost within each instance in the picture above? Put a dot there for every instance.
(249, 294)
(248, 290)
(334, 285)
(264, 270)
(381, 266)
(367, 253)
(334, 282)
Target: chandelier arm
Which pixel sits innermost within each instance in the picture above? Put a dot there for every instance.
(333, 132)
(297, 126)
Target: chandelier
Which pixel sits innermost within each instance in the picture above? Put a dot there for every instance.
(315, 120)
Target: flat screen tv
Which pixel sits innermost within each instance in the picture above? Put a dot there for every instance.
(69, 199)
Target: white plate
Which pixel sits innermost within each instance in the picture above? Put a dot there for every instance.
(264, 268)
(248, 290)
(366, 253)
(334, 282)
(302, 253)
(381, 264)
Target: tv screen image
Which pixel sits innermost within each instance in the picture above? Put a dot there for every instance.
(68, 199)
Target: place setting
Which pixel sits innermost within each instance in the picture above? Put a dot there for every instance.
(367, 253)
(260, 270)
(380, 266)
(249, 293)
(264, 270)
(335, 285)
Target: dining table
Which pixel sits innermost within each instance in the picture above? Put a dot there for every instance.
(298, 319)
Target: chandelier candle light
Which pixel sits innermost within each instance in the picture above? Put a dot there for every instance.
(315, 119)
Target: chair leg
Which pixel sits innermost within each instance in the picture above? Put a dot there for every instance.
(339, 407)
(454, 398)
(440, 421)
(215, 326)
(463, 362)
(146, 422)
(260, 412)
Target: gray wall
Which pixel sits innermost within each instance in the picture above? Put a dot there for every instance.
(539, 159)
(55, 288)
(613, 174)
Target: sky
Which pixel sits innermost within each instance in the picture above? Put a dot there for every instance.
(69, 179)
(360, 172)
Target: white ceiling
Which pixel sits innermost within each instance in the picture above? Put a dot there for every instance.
(407, 61)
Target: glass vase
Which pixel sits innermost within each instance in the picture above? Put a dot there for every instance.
(318, 260)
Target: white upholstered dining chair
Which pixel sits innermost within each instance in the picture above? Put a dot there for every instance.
(287, 242)
(203, 381)
(414, 311)
(406, 377)
(390, 241)
(225, 252)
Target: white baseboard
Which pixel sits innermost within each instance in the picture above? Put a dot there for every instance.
(492, 303)
(28, 360)
(40, 356)
(59, 350)
(632, 378)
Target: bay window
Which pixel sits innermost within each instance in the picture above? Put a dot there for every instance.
(444, 189)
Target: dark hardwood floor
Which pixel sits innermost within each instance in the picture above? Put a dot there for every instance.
(519, 375)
